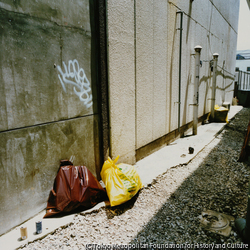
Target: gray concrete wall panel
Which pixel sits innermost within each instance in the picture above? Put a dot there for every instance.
(30, 160)
(46, 104)
(66, 13)
(32, 92)
(144, 71)
(160, 114)
(121, 70)
(151, 70)
(229, 9)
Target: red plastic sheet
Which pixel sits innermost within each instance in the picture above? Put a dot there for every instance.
(74, 187)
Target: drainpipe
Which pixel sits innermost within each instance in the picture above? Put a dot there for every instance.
(215, 59)
(242, 225)
(196, 87)
(180, 51)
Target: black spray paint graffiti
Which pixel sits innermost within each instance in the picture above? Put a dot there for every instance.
(76, 76)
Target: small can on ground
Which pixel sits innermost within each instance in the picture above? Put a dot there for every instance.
(39, 227)
(24, 233)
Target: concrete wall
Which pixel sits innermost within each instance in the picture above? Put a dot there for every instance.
(46, 108)
(121, 61)
(47, 111)
(151, 71)
(144, 65)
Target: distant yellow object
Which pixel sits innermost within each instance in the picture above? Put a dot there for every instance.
(122, 181)
(220, 114)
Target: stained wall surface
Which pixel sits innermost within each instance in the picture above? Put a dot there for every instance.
(46, 101)
(144, 43)
(121, 61)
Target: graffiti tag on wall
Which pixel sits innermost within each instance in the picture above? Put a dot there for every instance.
(75, 76)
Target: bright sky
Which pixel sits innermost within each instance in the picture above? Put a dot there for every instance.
(243, 41)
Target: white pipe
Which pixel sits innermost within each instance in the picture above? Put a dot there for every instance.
(196, 88)
(215, 59)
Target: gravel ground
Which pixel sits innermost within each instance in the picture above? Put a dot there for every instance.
(166, 212)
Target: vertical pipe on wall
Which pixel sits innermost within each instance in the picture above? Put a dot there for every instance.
(180, 51)
(196, 87)
(215, 59)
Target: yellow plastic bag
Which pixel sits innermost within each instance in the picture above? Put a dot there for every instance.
(122, 181)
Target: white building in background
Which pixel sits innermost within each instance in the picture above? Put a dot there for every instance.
(243, 60)
(242, 77)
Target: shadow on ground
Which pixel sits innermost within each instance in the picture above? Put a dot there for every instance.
(219, 182)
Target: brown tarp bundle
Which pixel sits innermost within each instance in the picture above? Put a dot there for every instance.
(74, 187)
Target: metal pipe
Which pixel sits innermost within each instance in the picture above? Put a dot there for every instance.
(243, 79)
(180, 52)
(215, 59)
(240, 80)
(196, 88)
